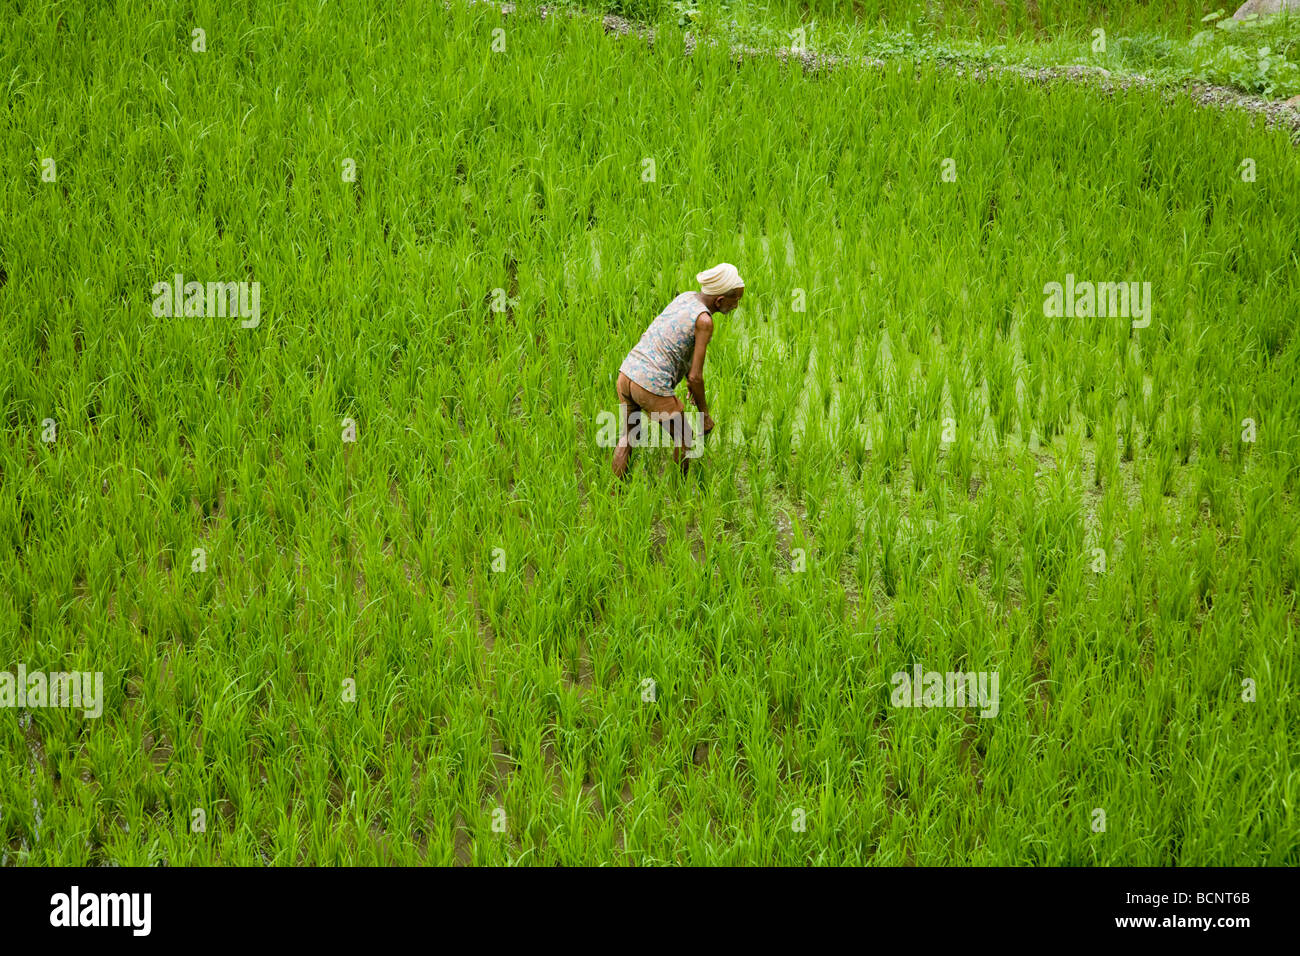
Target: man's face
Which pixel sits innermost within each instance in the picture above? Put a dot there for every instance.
(729, 301)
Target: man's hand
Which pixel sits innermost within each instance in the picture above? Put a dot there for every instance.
(708, 423)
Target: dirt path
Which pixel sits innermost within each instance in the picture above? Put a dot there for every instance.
(1276, 113)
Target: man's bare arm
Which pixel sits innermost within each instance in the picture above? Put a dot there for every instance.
(695, 378)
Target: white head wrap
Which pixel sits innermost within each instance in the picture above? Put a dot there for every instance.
(720, 279)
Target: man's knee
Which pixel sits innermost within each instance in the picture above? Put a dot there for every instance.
(673, 422)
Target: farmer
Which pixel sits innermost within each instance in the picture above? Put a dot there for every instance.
(673, 347)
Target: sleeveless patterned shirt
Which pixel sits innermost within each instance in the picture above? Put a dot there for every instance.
(663, 356)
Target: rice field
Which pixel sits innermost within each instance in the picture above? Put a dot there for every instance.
(993, 18)
(346, 548)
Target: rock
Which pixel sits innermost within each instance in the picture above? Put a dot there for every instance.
(1293, 102)
(1265, 8)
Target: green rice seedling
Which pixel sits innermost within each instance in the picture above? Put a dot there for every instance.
(1106, 454)
(1128, 433)
(1002, 387)
(924, 446)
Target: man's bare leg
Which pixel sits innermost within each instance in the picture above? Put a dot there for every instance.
(627, 410)
(679, 430)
